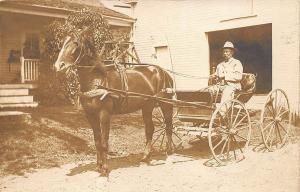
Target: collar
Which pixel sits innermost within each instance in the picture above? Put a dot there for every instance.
(229, 61)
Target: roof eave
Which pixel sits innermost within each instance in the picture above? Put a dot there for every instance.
(54, 12)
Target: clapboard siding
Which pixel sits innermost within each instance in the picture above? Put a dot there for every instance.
(13, 29)
(185, 24)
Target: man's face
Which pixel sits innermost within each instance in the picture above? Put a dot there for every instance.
(227, 54)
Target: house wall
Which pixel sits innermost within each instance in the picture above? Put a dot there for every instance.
(13, 30)
(183, 26)
(12, 37)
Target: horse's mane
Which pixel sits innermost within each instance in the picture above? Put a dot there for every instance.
(92, 57)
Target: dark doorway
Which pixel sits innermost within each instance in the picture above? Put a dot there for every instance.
(254, 46)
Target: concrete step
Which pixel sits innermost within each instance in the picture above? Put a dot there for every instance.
(13, 92)
(16, 99)
(18, 105)
(18, 86)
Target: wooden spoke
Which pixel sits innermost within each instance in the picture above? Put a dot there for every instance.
(268, 125)
(236, 117)
(163, 138)
(241, 128)
(269, 118)
(225, 144)
(162, 132)
(269, 134)
(272, 136)
(219, 143)
(278, 132)
(231, 115)
(158, 119)
(241, 137)
(228, 147)
(272, 112)
(282, 127)
(282, 113)
(233, 138)
(240, 121)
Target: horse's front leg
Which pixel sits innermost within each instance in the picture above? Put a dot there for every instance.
(149, 129)
(93, 119)
(105, 118)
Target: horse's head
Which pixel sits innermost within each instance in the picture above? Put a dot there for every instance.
(75, 48)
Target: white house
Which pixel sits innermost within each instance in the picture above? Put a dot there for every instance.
(21, 25)
(187, 35)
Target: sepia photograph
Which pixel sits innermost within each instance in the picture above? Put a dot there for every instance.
(149, 95)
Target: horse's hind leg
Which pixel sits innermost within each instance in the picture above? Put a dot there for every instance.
(149, 129)
(167, 110)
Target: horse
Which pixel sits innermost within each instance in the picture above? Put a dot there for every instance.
(79, 52)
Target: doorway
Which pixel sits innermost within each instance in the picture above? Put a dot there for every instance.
(254, 46)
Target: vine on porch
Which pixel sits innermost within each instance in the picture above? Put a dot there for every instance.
(51, 89)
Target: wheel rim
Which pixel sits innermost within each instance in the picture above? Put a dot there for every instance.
(229, 134)
(275, 120)
(159, 136)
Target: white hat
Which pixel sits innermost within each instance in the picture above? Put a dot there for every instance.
(229, 45)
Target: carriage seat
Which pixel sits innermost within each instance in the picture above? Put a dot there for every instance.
(248, 84)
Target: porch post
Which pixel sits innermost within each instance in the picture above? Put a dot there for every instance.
(22, 70)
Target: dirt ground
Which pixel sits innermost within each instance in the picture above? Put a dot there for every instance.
(54, 151)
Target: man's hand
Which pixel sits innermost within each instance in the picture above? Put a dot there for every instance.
(222, 81)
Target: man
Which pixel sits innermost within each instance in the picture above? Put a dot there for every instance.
(229, 73)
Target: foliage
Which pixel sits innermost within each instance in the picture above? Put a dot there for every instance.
(53, 36)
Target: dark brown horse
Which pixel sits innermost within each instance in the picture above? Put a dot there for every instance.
(79, 52)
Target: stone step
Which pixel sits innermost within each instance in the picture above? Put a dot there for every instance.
(18, 86)
(13, 92)
(16, 99)
(11, 113)
(18, 105)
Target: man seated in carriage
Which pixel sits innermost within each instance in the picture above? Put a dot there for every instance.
(228, 74)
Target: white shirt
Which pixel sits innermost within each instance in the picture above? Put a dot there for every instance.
(232, 70)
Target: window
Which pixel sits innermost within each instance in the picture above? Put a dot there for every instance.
(31, 47)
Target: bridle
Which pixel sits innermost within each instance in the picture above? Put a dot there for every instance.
(81, 53)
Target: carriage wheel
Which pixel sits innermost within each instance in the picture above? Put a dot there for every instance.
(275, 120)
(229, 132)
(159, 136)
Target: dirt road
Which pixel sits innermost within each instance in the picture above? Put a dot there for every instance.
(260, 172)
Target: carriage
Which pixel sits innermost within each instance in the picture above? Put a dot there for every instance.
(114, 87)
(198, 114)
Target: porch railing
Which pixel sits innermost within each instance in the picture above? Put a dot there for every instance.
(29, 69)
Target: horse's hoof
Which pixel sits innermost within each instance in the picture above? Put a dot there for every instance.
(145, 159)
(104, 172)
(170, 151)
